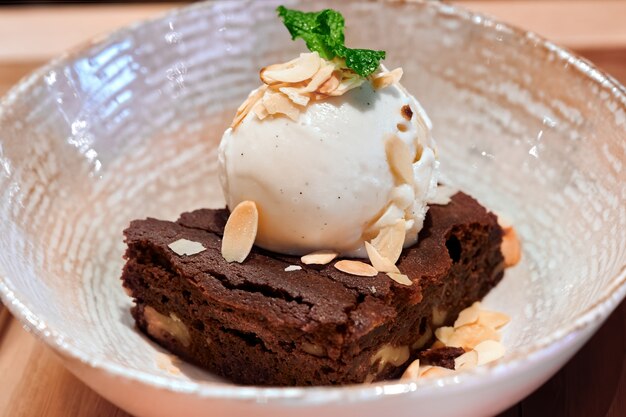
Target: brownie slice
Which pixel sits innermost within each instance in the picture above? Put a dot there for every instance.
(255, 323)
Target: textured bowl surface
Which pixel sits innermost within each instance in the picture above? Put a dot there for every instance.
(127, 127)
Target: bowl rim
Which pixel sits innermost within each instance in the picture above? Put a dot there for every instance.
(535, 352)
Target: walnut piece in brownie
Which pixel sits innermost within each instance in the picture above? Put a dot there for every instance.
(256, 323)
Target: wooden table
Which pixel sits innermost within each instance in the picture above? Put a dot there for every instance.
(34, 383)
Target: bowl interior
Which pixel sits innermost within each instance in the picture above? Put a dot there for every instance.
(128, 127)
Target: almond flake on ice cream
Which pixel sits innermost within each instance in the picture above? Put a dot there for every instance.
(245, 107)
(385, 79)
(331, 84)
(277, 103)
(294, 94)
(399, 157)
(321, 77)
(296, 70)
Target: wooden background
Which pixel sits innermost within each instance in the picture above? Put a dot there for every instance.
(34, 383)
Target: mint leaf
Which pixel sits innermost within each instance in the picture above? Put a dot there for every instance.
(323, 33)
(363, 61)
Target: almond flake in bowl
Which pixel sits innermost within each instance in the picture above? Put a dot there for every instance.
(476, 332)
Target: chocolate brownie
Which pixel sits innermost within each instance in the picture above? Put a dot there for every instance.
(443, 356)
(255, 323)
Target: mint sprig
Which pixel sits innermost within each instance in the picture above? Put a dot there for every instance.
(323, 33)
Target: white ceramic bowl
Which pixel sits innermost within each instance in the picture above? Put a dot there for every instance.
(127, 127)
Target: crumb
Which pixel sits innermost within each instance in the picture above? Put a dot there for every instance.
(292, 268)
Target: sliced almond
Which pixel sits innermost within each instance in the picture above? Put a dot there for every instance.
(331, 84)
(385, 79)
(186, 247)
(403, 127)
(320, 257)
(325, 72)
(245, 107)
(423, 131)
(468, 360)
(318, 96)
(403, 196)
(419, 151)
(278, 103)
(348, 82)
(260, 110)
(493, 319)
(470, 335)
(400, 159)
(390, 240)
(436, 372)
(240, 232)
(390, 355)
(412, 372)
(489, 351)
(378, 261)
(443, 195)
(296, 70)
(437, 344)
(468, 316)
(277, 87)
(510, 247)
(400, 278)
(356, 268)
(294, 95)
(444, 334)
(423, 369)
(389, 217)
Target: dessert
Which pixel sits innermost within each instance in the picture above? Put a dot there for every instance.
(338, 259)
(256, 323)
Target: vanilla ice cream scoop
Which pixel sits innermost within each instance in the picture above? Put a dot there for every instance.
(332, 176)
